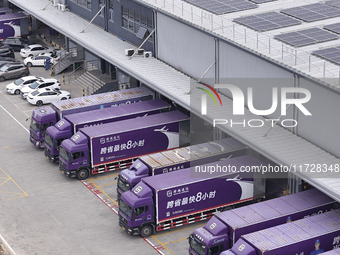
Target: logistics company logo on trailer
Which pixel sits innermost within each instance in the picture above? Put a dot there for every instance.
(300, 97)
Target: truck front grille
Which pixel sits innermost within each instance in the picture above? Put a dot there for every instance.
(62, 166)
(47, 152)
(123, 222)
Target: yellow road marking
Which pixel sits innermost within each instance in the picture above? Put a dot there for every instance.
(6, 180)
(103, 192)
(185, 238)
(9, 178)
(181, 229)
(163, 245)
(108, 184)
(104, 177)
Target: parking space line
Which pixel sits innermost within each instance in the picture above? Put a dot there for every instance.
(14, 118)
(182, 239)
(9, 178)
(113, 205)
(108, 184)
(153, 246)
(104, 177)
(163, 245)
(181, 229)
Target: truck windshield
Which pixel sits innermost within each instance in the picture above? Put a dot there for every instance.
(48, 140)
(123, 185)
(197, 246)
(63, 154)
(125, 208)
(34, 125)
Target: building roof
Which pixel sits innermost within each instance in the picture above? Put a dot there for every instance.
(279, 145)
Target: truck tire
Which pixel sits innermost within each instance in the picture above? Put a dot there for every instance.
(83, 174)
(146, 231)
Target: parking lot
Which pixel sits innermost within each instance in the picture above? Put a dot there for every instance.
(43, 212)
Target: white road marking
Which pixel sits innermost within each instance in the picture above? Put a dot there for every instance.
(14, 119)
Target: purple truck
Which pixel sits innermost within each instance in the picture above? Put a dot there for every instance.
(70, 124)
(308, 236)
(113, 146)
(13, 24)
(178, 198)
(172, 160)
(225, 228)
(46, 116)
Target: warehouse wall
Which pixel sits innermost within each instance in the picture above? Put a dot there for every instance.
(323, 127)
(185, 48)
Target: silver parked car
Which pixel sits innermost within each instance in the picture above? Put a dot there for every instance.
(13, 70)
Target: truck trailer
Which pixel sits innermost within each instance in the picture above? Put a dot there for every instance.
(13, 24)
(225, 228)
(176, 159)
(46, 116)
(333, 252)
(70, 124)
(178, 198)
(113, 146)
(308, 236)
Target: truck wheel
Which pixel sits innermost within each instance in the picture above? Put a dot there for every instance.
(39, 103)
(146, 231)
(82, 174)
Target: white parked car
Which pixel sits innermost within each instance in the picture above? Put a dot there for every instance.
(39, 84)
(40, 59)
(34, 50)
(46, 96)
(16, 86)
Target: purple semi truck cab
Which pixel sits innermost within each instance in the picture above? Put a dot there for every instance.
(46, 116)
(70, 124)
(172, 160)
(113, 146)
(308, 236)
(225, 228)
(174, 199)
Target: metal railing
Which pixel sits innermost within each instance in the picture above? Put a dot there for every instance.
(266, 45)
(67, 58)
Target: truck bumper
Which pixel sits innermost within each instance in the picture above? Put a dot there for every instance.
(52, 158)
(37, 144)
(62, 169)
(124, 226)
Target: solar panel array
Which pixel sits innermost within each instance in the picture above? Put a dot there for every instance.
(331, 54)
(312, 12)
(335, 3)
(306, 37)
(223, 6)
(267, 21)
(333, 27)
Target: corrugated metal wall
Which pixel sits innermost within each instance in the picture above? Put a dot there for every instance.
(323, 127)
(184, 47)
(192, 51)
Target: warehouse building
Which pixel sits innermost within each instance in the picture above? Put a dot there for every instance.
(275, 47)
